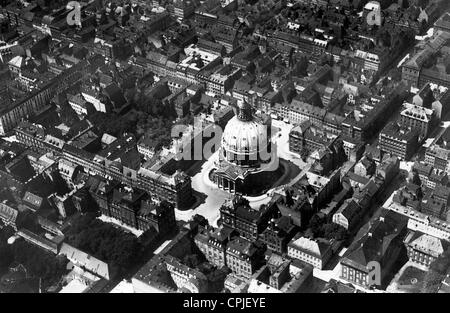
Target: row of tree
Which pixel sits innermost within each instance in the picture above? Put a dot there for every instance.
(104, 241)
(320, 228)
(437, 273)
(113, 124)
(37, 262)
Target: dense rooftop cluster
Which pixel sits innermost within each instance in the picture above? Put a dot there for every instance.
(92, 171)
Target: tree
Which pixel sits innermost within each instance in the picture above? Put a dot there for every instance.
(28, 220)
(191, 260)
(217, 277)
(200, 220)
(289, 198)
(315, 224)
(325, 59)
(321, 229)
(416, 178)
(187, 120)
(240, 201)
(113, 124)
(432, 282)
(384, 37)
(447, 64)
(104, 241)
(301, 67)
(6, 255)
(158, 130)
(442, 264)
(59, 183)
(334, 231)
(395, 74)
(304, 153)
(437, 272)
(67, 115)
(39, 263)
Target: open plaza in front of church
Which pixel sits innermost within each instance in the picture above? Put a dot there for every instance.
(214, 197)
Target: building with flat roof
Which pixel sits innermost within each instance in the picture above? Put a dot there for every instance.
(222, 80)
(196, 60)
(398, 141)
(417, 117)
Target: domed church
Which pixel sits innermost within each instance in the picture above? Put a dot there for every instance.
(245, 150)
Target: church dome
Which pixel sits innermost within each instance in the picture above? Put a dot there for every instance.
(243, 138)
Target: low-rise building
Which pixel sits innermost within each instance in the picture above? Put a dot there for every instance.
(87, 261)
(244, 257)
(316, 252)
(422, 248)
(348, 215)
(187, 279)
(235, 284)
(8, 214)
(146, 147)
(281, 275)
(378, 251)
(78, 104)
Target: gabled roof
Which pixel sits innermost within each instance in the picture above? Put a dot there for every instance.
(317, 248)
(426, 243)
(349, 209)
(85, 260)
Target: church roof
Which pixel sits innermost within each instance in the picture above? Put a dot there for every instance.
(232, 171)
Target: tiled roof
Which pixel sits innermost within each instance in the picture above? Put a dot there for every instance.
(426, 243)
(7, 213)
(374, 245)
(85, 260)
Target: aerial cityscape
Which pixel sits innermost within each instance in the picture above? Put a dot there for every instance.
(225, 146)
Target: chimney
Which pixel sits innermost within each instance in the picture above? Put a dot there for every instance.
(369, 234)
